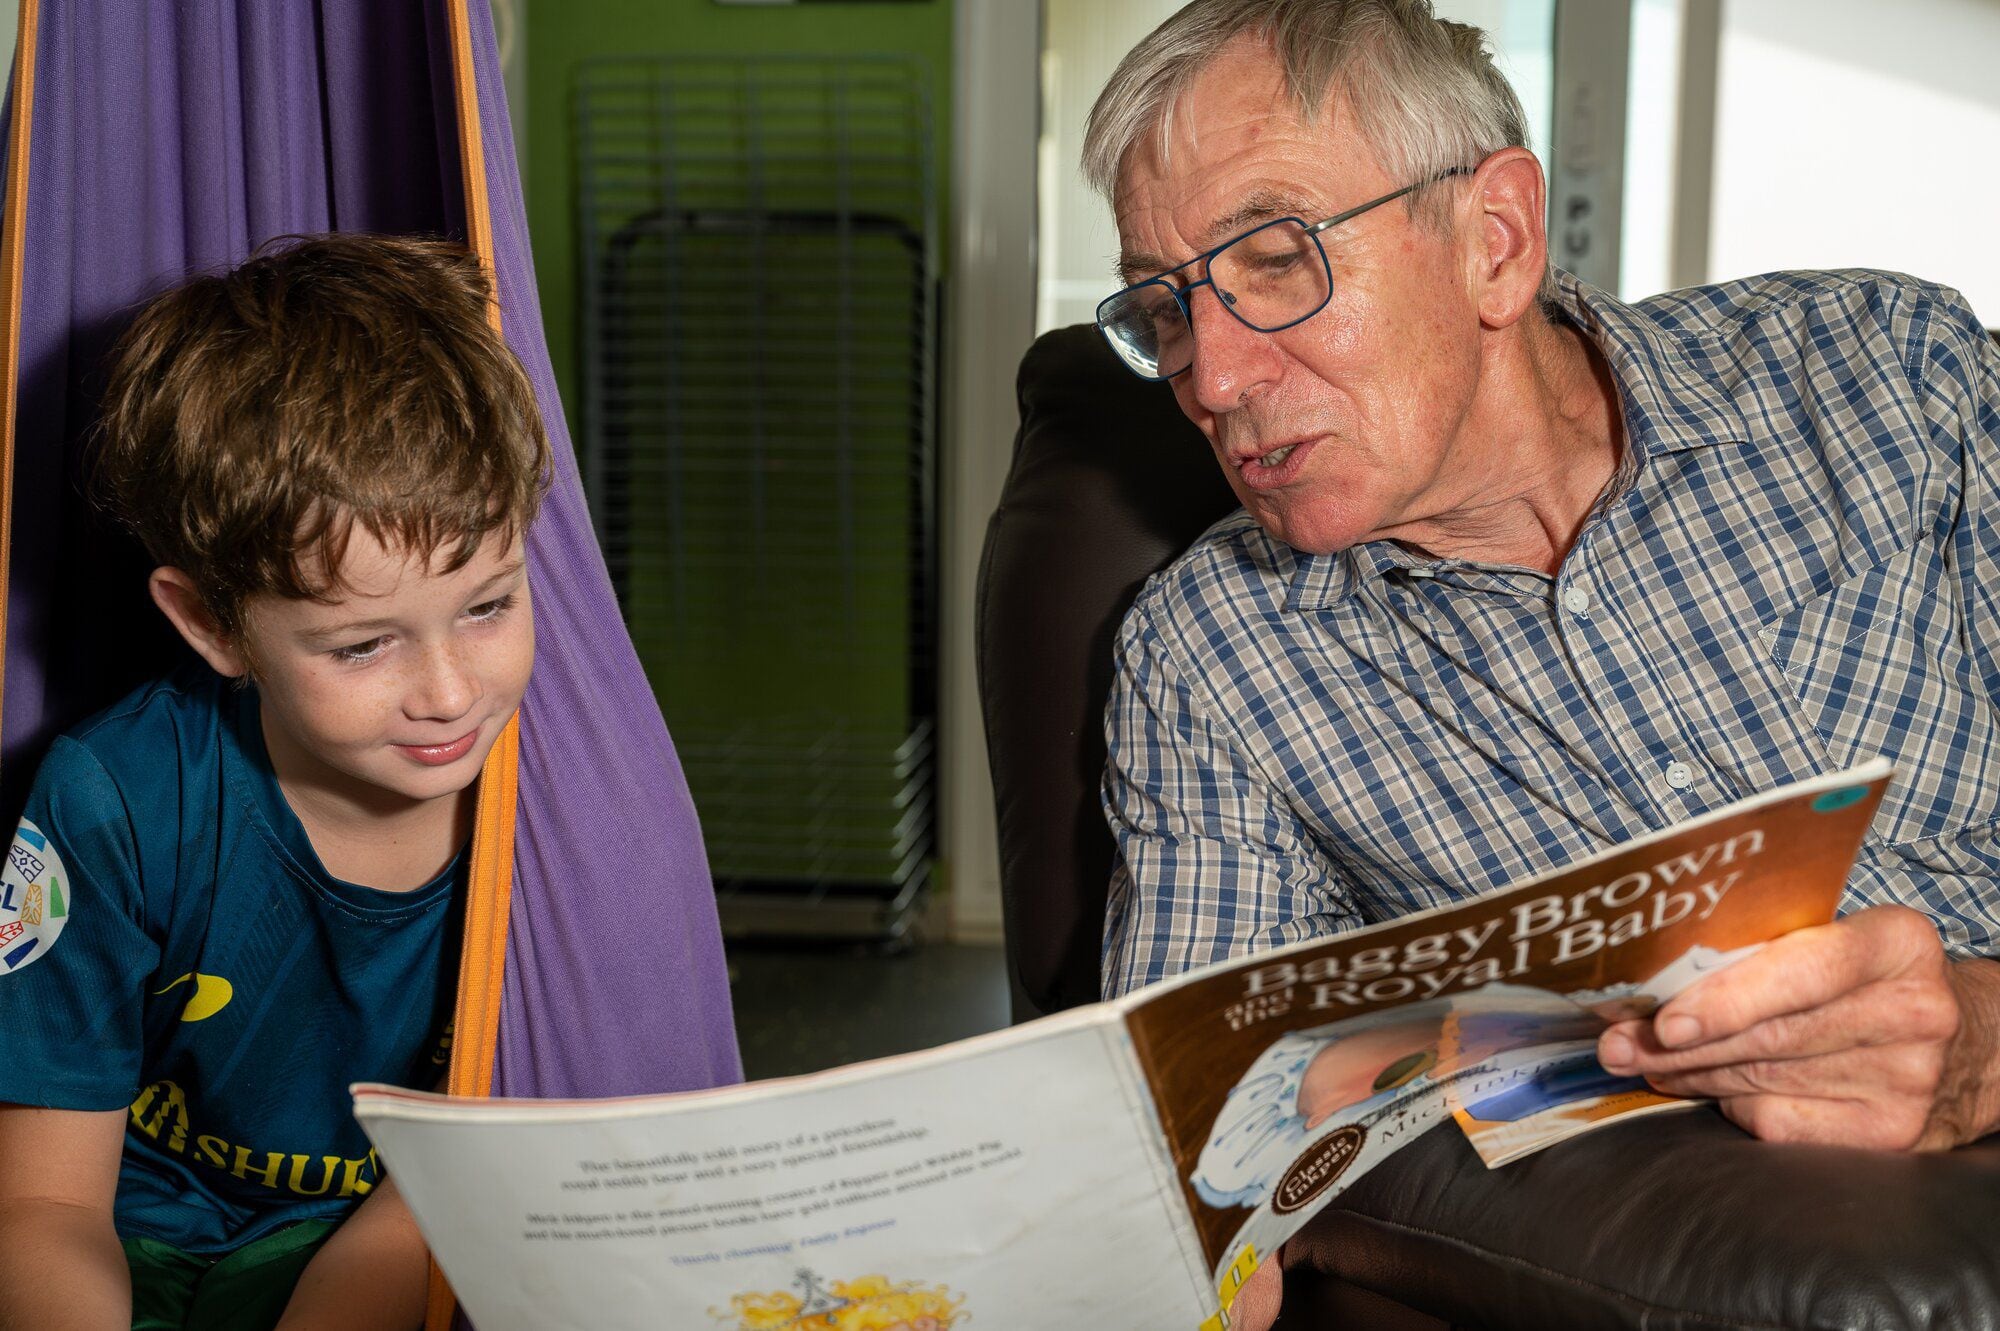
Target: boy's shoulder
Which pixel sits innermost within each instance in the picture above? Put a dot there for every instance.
(165, 732)
(187, 704)
(113, 794)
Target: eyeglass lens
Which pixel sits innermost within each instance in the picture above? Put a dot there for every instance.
(1270, 278)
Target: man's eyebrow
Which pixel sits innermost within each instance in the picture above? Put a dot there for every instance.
(1138, 266)
(1258, 207)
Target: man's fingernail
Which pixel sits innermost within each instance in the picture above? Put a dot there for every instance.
(1678, 1030)
(1615, 1051)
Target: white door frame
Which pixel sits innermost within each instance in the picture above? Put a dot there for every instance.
(989, 322)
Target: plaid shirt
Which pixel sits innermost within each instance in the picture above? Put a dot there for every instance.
(1796, 568)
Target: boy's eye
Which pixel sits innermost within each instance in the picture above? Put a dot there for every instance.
(487, 610)
(360, 651)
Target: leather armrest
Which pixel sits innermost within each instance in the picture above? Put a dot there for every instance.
(1675, 1221)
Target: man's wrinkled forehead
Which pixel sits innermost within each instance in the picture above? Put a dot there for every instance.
(1230, 152)
(1264, 203)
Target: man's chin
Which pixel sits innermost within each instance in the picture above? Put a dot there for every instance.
(1307, 533)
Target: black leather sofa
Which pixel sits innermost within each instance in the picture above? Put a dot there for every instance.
(1675, 1222)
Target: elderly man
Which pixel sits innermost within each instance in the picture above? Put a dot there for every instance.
(1523, 571)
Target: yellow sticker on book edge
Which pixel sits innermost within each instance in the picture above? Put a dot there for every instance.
(1237, 1275)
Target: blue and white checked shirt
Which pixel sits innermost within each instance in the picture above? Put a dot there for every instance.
(1797, 568)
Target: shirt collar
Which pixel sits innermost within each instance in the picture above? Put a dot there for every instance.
(1673, 397)
(1673, 394)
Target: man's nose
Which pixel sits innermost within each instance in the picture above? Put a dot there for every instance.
(1231, 359)
(444, 689)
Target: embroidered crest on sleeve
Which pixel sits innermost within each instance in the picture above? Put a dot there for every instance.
(34, 899)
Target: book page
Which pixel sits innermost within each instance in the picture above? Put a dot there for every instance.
(1281, 1078)
(1005, 1185)
(1525, 1100)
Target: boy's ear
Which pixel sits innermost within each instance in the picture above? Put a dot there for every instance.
(175, 593)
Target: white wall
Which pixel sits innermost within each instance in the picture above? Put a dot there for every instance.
(1077, 247)
(1855, 133)
(1651, 139)
(1522, 34)
(991, 312)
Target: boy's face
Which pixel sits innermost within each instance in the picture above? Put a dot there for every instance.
(394, 694)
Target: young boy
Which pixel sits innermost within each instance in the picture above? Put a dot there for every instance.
(239, 889)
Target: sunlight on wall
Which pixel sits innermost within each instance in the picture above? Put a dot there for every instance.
(1077, 247)
(1843, 140)
(1652, 111)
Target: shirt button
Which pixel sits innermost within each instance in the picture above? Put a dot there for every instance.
(1680, 776)
(1575, 599)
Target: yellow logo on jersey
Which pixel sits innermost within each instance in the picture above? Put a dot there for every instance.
(211, 994)
(161, 1112)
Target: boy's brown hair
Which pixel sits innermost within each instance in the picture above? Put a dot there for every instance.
(252, 419)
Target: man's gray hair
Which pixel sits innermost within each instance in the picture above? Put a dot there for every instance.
(1424, 92)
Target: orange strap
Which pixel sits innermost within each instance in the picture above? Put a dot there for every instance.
(482, 967)
(13, 254)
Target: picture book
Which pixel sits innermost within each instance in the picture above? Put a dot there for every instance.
(1130, 1163)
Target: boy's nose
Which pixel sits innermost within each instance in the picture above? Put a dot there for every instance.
(444, 689)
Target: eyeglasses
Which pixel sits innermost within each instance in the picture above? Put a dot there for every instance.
(1271, 277)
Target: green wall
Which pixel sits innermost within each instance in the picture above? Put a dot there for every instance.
(562, 32)
(787, 687)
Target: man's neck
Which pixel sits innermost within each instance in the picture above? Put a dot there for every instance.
(1546, 434)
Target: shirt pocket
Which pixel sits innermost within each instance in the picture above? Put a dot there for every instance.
(1878, 667)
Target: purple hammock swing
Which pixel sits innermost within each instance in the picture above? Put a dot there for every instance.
(150, 139)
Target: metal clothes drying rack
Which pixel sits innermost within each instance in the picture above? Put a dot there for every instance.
(759, 291)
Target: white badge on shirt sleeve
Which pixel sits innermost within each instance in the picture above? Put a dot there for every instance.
(34, 899)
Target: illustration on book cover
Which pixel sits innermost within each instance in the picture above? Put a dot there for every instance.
(865, 1303)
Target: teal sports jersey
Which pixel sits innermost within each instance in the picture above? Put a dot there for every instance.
(171, 944)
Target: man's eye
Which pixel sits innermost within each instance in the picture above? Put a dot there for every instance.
(1265, 267)
(487, 611)
(355, 653)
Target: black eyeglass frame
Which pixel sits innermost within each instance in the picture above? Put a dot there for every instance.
(1184, 294)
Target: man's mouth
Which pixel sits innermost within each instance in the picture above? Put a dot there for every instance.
(1277, 468)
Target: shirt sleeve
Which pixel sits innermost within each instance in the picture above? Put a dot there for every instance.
(1213, 860)
(1963, 373)
(75, 955)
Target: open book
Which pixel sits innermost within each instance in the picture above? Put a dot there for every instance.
(1125, 1164)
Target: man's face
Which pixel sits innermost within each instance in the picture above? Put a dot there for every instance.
(393, 695)
(1371, 393)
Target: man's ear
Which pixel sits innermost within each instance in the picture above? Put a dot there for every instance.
(1508, 238)
(175, 593)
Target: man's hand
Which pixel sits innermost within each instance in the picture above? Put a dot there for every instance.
(1857, 1033)
(1258, 1302)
